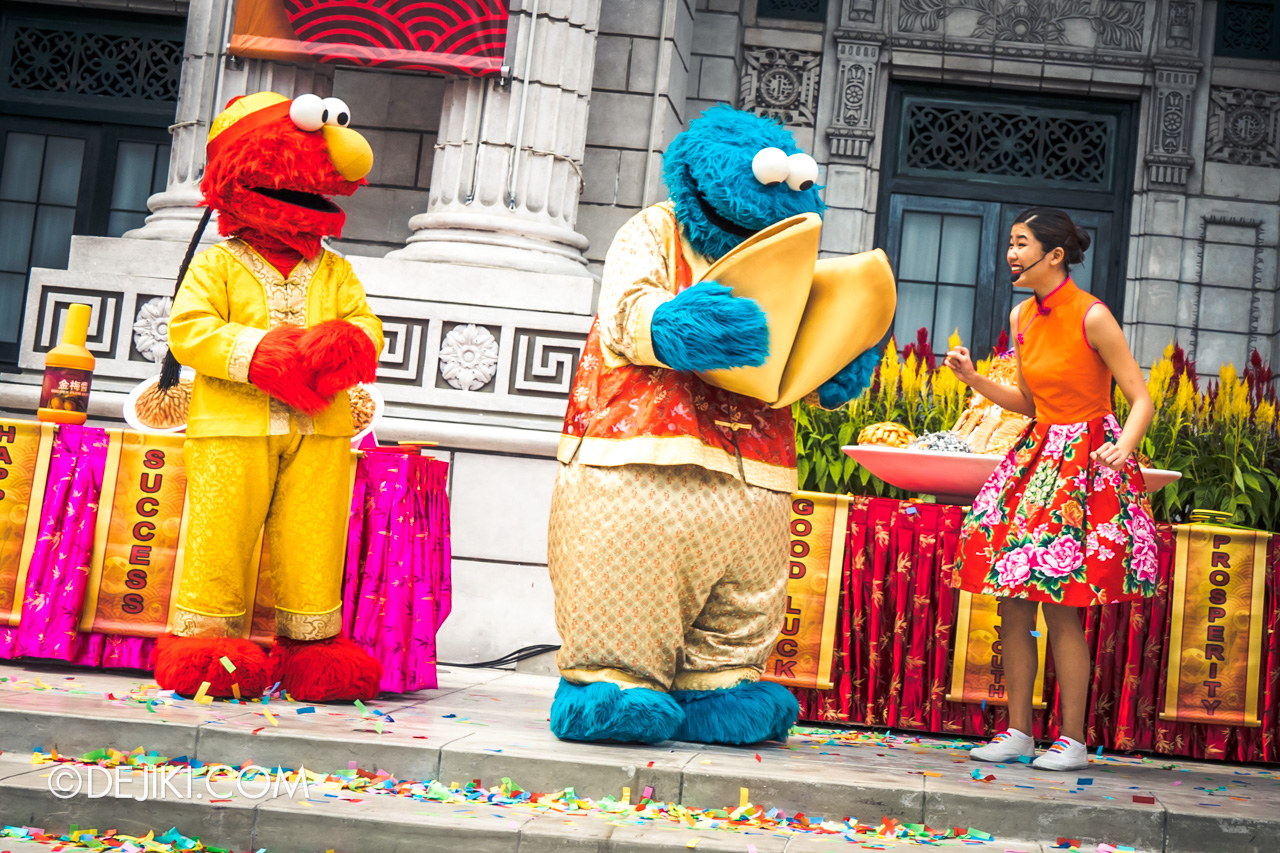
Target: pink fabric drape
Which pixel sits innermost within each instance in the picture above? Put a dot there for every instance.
(396, 592)
(59, 569)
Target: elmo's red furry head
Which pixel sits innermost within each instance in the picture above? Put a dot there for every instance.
(274, 163)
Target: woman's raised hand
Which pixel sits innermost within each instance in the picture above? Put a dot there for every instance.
(960, 363)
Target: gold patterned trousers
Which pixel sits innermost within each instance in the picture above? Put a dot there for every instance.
(299, 487)
(667, 577)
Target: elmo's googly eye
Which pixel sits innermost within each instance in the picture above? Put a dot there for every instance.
(802, 171)
(770, 166)
(307, 112)
(336, 113)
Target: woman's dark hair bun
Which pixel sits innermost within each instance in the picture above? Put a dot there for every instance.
(1082, 240)
(1053, 229)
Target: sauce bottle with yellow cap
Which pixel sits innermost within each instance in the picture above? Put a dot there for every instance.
(68, 372)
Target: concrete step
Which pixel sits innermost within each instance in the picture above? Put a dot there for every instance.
(489, 724)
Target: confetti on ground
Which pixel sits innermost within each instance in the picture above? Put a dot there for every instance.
(326, 789)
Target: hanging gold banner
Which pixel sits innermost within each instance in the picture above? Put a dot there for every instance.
(1216, 625)
(133, 574)
(804, 651)
(977, 665)
(25, 450)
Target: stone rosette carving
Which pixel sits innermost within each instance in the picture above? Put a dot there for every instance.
(468, 357)
(151, 328)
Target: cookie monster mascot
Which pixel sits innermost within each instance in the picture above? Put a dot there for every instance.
(277, 329)
(668, 532)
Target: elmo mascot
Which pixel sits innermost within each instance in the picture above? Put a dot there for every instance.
(669, 521)
(277, 329)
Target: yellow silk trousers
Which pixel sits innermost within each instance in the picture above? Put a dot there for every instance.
(299, 486)
(667, 577)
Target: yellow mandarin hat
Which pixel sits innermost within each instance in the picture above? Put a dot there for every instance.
(244, 115)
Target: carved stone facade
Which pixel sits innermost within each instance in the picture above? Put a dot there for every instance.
(782, 84)
(1244, 127)
(854, 129)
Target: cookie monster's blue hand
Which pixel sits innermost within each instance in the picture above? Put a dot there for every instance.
(849, 382)
(707, 328)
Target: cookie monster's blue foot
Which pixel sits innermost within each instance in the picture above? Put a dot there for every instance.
(604, 711)
(751, 712)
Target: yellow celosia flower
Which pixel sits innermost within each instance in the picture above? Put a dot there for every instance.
(1158, 384)
(890, 368)
(1240, 406)
(954, 340)
(1264, 418)
(1186, 400)
(912, 381)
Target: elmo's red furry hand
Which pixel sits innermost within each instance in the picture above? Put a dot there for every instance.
(338, 355)
(279, 369)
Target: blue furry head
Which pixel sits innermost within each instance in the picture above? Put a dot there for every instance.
(718, 200)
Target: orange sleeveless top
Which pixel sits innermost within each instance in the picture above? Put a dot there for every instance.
(1069, 381)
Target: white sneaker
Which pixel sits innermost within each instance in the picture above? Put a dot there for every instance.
(1065, 754)
(1006, 746)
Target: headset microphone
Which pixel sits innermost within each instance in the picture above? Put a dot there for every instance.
(1017, 276)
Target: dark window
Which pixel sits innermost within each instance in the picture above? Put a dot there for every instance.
(793, 10)
(1248, 29)
(959, 166)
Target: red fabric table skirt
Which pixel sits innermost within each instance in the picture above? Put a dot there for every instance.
(895, 639)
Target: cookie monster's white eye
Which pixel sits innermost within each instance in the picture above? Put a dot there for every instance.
(770, 166)
(802, 171)
(307, 112)
(337, 114)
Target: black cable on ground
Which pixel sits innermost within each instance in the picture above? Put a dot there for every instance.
(508, 659)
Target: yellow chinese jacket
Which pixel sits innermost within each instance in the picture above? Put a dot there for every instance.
(230, 298)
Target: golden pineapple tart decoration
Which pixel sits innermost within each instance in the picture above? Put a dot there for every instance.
(886, 434)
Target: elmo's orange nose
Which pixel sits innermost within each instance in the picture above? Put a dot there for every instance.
(349, 151)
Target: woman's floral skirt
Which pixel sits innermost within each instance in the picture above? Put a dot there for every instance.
(1052, 525)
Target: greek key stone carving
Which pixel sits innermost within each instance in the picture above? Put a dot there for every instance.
(854, 129)
(1244, 127)
(468, 357)
(545, 362)
(404, 351)
(151, 328)
(107, 305)
(782, 84)
(1169, 159)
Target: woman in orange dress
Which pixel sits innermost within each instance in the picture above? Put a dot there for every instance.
(1064, 521)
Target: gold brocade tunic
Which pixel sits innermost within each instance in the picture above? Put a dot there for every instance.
(229, 299)
(627, 407)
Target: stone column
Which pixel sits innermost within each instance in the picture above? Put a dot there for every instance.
(209, 80)
(505, 198)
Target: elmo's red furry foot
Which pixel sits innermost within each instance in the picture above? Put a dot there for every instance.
(332, 670)
(184, 663)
